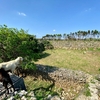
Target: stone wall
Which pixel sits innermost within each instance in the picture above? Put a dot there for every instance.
(79, 44)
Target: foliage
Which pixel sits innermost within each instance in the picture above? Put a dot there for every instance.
(87, 90)
(47, 44)
(80, 35)
(42, 94)
(30, 66)
(14, 43)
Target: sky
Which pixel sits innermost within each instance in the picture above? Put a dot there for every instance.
(41, 17)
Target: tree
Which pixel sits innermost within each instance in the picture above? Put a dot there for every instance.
(95, 32)
(14, 43)
(59, 36)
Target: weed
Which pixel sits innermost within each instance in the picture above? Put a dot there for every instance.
(87, 92)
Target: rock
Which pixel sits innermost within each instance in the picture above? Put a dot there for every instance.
(31, 94)
(93, 90)
(98, 87)
(11, 98)
(49, 96)
(82, 97)
(23, 98)
(15, 92)
(33, 98)
(21, 93)
(98, 77)
(94, 97)
(55, 98)
(89, 78)
(92, 85)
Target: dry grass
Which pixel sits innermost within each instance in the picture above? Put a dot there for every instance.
(88, 61)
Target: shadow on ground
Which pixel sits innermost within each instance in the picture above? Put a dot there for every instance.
(42, 71)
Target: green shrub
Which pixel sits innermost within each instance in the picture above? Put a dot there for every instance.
(87, 90)
(14, 43)
(30, 66)
(47, 44)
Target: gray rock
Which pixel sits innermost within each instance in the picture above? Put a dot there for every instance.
(31, 94)
(23, 98)
(55, 98)
(33, 98)
(22, 92)
(98, 77)
(11, 98)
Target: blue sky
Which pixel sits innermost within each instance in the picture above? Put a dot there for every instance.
(43, 17)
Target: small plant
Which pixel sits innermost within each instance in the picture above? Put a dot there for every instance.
(47, 44)
(86, 85)
(59, 91)
(42, 94)
(99, 69)
(5, 99)
(30, 65)
(87, 90)
(16, 96)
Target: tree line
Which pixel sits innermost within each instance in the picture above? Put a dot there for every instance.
(90, 34)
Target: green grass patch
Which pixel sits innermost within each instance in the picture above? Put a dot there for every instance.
(31, 84)
(87, 90)
(73, 59)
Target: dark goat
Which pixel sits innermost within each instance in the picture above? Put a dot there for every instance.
(5, 78)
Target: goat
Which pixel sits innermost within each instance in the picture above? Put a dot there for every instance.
(5, 78)
(11, 65)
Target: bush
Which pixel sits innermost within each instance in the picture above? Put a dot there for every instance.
(14, 43)
(47, 44)
(30, 66)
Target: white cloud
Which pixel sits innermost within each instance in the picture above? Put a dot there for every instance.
(54, 30)
(21, 14)
(89, 9)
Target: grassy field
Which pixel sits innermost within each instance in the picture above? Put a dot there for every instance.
(85, 60)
